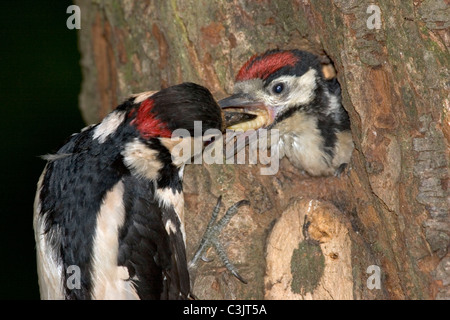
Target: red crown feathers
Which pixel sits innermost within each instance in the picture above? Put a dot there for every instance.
(263, 66)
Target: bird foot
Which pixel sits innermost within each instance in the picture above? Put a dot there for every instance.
(211, 237)
(341, 169)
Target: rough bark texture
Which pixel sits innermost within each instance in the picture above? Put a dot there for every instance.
(392, 208)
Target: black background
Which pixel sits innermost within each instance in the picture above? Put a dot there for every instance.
(40, 79)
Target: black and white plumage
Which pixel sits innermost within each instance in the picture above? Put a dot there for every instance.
(287, 90)
(110, 201)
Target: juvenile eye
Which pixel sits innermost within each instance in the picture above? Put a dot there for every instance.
(278, 88)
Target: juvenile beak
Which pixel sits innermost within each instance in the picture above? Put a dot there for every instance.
(238, 100)
(243, 112)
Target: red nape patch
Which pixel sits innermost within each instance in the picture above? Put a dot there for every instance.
(263, 66)
(147, 124)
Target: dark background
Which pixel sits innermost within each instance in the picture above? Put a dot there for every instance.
(40, 80)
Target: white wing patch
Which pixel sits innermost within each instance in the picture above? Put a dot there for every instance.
(109, 279)
(139, 97)
(170, 227)
(48, 268)
(109, 125)
(169, 199)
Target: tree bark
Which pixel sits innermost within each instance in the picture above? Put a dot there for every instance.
(387, 217)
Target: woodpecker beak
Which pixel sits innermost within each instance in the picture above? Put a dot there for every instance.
(244, 112)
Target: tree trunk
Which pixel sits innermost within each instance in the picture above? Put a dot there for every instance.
(382, 230)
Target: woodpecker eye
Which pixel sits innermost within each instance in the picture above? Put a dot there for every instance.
(278, 88)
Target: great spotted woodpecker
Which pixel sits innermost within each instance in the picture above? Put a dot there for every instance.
(286, 90)
(109, 204)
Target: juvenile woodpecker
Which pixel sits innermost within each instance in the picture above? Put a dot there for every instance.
(108, 216)
(286, 90)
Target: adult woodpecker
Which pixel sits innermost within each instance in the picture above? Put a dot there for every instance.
(109, 203)
(286, 90)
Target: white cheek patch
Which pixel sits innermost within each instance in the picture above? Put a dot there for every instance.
(301, 91)
(181, 149)
(141, 160)
(303, 88)
(108, 126)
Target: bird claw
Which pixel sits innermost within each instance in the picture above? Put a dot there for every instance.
(341, 169)
(210, 237)
(206, 259)
(238, 276)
